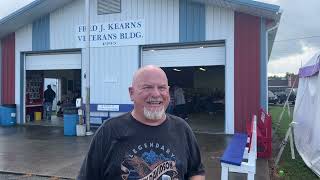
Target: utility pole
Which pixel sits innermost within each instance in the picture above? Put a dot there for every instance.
(87, 76)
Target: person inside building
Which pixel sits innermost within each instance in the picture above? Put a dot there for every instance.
(145, 143)
(49, 96)
(171, 102)
(180, 102)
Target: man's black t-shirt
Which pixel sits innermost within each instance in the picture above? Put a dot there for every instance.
(123, 148)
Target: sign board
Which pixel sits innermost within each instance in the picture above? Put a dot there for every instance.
(122, 33)
(107, 107)
(78, 102)
(13, 115)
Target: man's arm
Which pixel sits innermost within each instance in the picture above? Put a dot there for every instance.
(195, 167)
(198, 177)
(93, 163)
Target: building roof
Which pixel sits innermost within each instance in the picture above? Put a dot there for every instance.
(28, 14)
(39, 8)
(254, 8)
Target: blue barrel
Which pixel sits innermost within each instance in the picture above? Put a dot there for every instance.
(8, 115)
(69, 124)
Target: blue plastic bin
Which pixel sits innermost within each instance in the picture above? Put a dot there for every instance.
(8, 115)
(70, 121)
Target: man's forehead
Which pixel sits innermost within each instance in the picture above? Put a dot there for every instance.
(147, 75)
(145, 83)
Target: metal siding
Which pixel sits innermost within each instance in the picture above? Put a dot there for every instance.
(63, 22)
(111, 74)
(220, 26)
(8, 71)
(247, 68)
(192, 21)
(41, 34)
(115, 63)
(109, 6)
(263, 66)
(219, 23)
(161, 20)
(23, 41)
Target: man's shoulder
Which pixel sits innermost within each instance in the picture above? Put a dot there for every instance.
(118, 120)
(178, 121)
(115, 126)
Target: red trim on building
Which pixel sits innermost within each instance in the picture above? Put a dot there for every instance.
(246, 69)
(8, 69)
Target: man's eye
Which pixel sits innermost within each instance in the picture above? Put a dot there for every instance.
(147, 87)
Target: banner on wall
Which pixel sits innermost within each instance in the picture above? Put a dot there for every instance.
(122, 33)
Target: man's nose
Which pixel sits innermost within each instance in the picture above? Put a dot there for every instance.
(156, 91)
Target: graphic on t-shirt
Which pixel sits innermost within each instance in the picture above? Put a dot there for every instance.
(149, 161)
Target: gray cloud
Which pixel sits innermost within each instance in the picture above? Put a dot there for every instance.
(299, 19)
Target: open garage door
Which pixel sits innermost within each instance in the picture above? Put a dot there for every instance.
(53, 61)
(198, 73)
(60, 70)
(183, 56)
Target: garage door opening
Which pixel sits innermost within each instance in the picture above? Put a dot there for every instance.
(203, 89)
(67, 87)
(199, 70)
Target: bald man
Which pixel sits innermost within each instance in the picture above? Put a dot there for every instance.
(145, 143)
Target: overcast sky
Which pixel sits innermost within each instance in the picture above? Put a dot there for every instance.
(298, 36)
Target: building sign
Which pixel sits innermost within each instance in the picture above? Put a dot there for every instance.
(122, 33)
(107, 107)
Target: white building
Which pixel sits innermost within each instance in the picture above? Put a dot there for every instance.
(230, 38)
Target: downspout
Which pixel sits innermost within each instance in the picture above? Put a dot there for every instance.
(267, 59)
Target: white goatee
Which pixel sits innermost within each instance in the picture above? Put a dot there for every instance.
(154, 115)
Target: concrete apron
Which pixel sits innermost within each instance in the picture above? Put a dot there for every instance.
(46, 151)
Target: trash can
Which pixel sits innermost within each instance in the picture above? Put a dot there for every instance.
(37, 116)
(69, 124)
(8, 114)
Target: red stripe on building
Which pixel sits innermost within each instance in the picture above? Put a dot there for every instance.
(8, 69)
(246, 69)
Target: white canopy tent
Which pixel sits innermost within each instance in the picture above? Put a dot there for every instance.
(306, 114)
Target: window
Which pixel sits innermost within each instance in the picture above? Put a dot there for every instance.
(109, 6)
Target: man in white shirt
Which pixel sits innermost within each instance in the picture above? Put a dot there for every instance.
(180, 102)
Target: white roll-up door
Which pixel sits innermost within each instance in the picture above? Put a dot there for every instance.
(184, 56)
(53, 61)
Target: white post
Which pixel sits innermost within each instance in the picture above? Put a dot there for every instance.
(284, 143)
(224, 172)
(289, 112)
(250, 176)
(291, 144)
(87, 10)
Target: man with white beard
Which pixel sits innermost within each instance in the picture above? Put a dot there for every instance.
(145, 143)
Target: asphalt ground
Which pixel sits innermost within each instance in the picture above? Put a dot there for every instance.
(43, 152)
(17, 176)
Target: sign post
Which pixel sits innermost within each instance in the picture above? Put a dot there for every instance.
(87, 75)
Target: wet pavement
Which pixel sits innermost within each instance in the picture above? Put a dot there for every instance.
(43, 152)
(17, 176)
(212, 147)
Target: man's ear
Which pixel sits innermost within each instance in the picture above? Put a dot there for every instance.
(131, 93)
